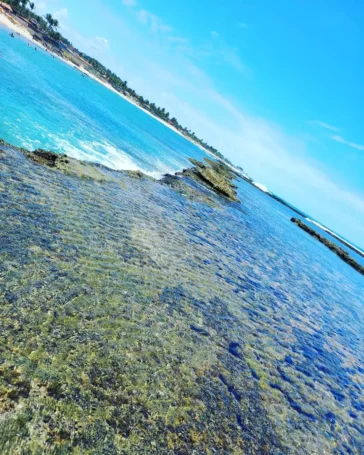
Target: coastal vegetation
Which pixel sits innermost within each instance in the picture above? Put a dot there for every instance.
(47, 29)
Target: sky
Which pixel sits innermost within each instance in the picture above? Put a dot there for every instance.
(277, 87)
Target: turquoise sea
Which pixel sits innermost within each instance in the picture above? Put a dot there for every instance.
(47, 104)
(138, 321)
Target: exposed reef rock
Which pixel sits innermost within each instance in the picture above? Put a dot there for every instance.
(73, 166)
(216, 175)
(186, 189)
(344, 255)
(213, 175)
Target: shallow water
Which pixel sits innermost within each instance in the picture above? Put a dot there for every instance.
(44, 103)
(137, 321)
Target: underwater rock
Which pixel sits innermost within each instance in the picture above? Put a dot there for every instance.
(73, 166)
(109, 289)
(135, 174)
(199, 330)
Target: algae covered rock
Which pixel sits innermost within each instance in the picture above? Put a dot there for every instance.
(47, 157)
(182, 186)
(344, 255)
(74, 167)
(216, 175)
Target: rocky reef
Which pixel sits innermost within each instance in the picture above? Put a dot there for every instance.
(344, 255)
(135, 321)
(215, 175)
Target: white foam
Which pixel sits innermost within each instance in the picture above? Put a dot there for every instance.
(108, 155)
(319, 225)
(335, 235)
(261, 187)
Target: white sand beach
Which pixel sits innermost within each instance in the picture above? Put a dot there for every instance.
(15, 27)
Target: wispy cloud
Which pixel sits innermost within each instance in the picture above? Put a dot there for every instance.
(177, 39)
(61, 14)
(348, 143)
(100, 43)
(129, 2)
(242, 25)
(324, 125)
(154, 22)
(233, 59)
(41, 6)
(215, 34)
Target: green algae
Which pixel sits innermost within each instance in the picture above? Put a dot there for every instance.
(215, 175)
(102, 281)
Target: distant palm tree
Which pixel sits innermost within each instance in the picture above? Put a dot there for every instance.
(31, 6)
(49, 19)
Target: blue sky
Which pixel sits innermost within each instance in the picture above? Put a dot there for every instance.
(276, 86)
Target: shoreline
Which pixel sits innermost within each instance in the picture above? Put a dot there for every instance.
(8, 24)
(18, 28)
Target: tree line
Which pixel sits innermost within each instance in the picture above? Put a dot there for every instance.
(47, 25)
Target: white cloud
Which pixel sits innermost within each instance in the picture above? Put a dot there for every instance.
(154, 22)
(348, 143)
(232, 58)
(324, 125)
(273, 157)
(40, 7)
(99, 42)
(61, 14)
(177, 40)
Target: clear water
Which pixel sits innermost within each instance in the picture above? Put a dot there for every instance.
(44, 103)
(225, 325)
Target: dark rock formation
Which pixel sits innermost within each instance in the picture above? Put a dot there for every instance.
(215, 175)
(344, 255)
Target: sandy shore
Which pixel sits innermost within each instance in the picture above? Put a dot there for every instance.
(15, 27)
